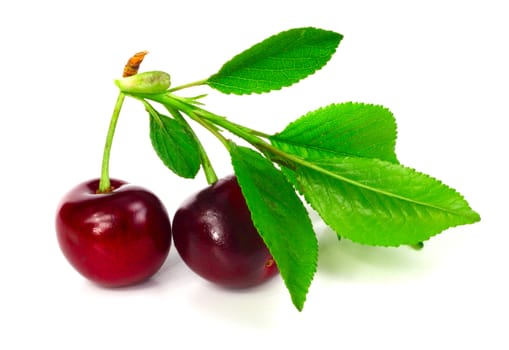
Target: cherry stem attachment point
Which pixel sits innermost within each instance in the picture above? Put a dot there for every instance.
(104, 182)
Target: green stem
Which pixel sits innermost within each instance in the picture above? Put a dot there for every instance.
(210, 127)
(247, 134)
(104, 182)
(185, 86)
(212, 117)
(152, 111)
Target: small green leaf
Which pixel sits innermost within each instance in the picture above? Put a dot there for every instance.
(280, 218)
(347, 129)
(279, 61)
(174, 145)
(375, 202)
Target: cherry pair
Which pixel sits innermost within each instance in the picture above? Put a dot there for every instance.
(123, 236)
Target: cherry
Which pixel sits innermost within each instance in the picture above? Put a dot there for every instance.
(215, 236)
(117, 238)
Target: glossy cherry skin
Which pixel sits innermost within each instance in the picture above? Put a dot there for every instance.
(117, 238)
(215, 236)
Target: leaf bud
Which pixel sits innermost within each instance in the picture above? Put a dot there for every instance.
(152, 82)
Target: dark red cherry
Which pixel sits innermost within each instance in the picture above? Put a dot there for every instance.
(215, 236)
(117, 238)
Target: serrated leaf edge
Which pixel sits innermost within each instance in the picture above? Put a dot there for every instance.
(249, 92)
(299, 304)
(277, 136)
(473, 218)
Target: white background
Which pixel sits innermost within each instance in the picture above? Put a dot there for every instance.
(440, 66)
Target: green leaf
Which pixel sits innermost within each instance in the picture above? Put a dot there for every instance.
(175, 145)
(279, 61)
(347, 129)
(280, 218)
(375, 202)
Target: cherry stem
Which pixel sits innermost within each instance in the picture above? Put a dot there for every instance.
(210, 127)
(185, 86)
(104, 182)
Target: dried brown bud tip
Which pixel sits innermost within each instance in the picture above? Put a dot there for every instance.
(132, 66)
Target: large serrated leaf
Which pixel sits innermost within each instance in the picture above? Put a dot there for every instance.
(174, 145)
(279, 61)
(280, 218)
(346, 129)
(375, 202)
